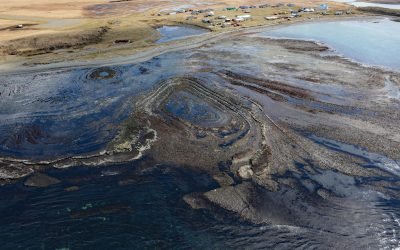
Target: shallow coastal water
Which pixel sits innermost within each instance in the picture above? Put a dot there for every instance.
(372, 42)
(171, 33)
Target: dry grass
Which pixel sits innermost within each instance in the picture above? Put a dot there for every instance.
(50, 42)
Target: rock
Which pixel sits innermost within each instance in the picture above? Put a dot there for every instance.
(40, 180)
(245, 172)
(231, 198)
(196, 201)
(9, 170)
(325, 194)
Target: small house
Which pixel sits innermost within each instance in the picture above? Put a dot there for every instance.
(209, 14)
(238, 19)
(323, 6)
(244, 17)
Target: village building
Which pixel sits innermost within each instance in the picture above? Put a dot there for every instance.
(323, 6)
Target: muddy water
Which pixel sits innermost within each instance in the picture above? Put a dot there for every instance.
(372, 42)
(332, 191)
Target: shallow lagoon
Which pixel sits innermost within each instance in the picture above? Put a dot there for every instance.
(172, 33)
(370, 42)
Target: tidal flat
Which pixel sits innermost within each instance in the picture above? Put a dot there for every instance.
(239, 141)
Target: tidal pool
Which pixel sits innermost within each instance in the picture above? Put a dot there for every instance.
(371, 42)
(171, 33)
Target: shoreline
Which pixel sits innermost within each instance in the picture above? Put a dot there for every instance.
(335, 52)
(159, 49)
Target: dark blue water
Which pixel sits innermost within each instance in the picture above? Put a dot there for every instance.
(140, 210)
(140, 206)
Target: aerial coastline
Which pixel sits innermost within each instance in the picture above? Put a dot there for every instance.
(157, 124)
(88, 36)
